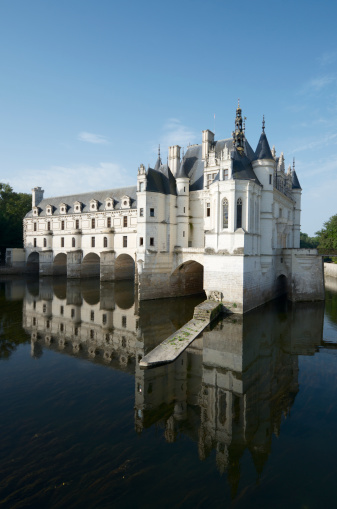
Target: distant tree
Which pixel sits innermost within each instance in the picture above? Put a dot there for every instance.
(13, 208)
(308, 242)
(327, 236)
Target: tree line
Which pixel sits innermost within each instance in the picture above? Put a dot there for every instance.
(13, 208)
(325, 240)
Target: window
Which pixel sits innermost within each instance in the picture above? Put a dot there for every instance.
(48, 226)
(92, 316)
(151, 212)
(47, 324)
(108, 222)
(34, 321)
(104, 319)
(141, 186)
(108, 204)
(141, 212)
(93, 223)
(210, 178)
(225, 213)
(125, 241)
(77, 207)
(72, 312)
(34, 242)
(184, 210)
(239, 213)
(125, 221)
(62, 225)
(123, 321)
(62, 241)
(184, 189)
(44, 308)
(183, 234)
(34, 304)
(105, 241)
(123, 338)
(92, 241)
(61, 327)
(141, 241)
(92, 334)
(270, 179)
(35, 227)
(76, 331)
(225, 174)
(73, 242)
(61, 310)
(208, 209)
(44, 242)
(151, 241)
(77, 224)
(280, 213)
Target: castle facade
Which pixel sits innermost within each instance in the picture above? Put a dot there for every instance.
(223, 218)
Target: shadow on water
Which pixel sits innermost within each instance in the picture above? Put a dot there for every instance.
(227, 397)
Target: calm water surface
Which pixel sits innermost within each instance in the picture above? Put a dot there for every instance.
(245, 418)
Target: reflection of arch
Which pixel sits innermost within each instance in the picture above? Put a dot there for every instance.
(188, 279)
(90, 265)
(60, 265)
(281, 285)
(124, 267)
(91, 291)
(33, 262)
(124, 294)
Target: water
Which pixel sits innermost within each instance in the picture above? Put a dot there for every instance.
(245, 418)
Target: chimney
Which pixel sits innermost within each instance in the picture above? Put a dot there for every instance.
(37, 196)
(174, 159)
(207, 140)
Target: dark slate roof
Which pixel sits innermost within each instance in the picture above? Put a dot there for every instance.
(161, 181)
(182, 172)
(263, 150)
(85, 198)
(158, 164)
(242, 168)
(295, 184)
(194, 167)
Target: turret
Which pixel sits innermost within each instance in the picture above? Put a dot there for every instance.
(207, 140)
(37, 196)
(297, 195)
(183, 191)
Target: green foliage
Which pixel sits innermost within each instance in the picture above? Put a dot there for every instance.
(308, 242)
(327, 236)
(13, 208)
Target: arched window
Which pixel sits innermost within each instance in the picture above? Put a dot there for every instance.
(105, 242)
(239, 213)
(44, 242)
(225, 213)
(73, 242)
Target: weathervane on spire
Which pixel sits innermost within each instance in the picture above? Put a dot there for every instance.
(293, 163)
(239, 133)
(263, 124)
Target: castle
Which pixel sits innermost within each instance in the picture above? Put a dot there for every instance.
(222, 218)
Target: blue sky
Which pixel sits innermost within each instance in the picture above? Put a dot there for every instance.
(89, 88)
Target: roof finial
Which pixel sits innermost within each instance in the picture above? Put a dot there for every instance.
(293, 163)
(263, 124)
(238, 103)
(159, 151)
(239, 134)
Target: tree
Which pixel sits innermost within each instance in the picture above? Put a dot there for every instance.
(308, 242)
(13, 208)
(327, 236)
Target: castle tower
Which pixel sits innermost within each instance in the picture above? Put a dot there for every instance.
(183, 191)
(297, 195)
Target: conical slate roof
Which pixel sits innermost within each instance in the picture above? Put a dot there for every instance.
(182, 173)
(158, 164)
(263, 150)
(295, 184)
(242, 168)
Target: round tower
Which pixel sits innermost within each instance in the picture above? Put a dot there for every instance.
(183, 198)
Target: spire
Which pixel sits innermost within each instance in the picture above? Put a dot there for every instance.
(263, 150)
(295, 182)
(238, 134)
(158, 163)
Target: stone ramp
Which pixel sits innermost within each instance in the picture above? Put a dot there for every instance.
(175, 344)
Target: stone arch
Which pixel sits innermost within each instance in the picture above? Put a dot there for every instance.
(281, 285)
(33, 262)
(187, 279)
(124, 267)
(60, 265)
(90, 265)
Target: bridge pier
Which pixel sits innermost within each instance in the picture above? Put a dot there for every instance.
(107, 266)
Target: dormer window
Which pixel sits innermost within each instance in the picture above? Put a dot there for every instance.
(126, 202)
(77, 206)
(109, 203)
(93, 205)
(36, 211)
(49, 210)
(63, 208)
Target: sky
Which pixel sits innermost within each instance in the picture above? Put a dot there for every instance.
(90, 88)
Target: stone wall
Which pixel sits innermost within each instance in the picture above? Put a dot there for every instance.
(330, 269)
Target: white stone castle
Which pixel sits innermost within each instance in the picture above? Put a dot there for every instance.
(223, 219)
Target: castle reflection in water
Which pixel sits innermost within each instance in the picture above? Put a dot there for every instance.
(228, 392)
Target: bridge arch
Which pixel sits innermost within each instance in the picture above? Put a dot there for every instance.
(124, 267)
(33, 262)
(281, 285)
(90, 266)
(187, 278)
(60, 264)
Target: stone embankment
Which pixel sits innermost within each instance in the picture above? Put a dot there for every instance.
(330, 269)
(175, 344)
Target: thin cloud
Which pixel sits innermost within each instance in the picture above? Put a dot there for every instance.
(64, 180)
(318, 84)
(327, 58)
(176, 133)
(92, 138)
(321, 142)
